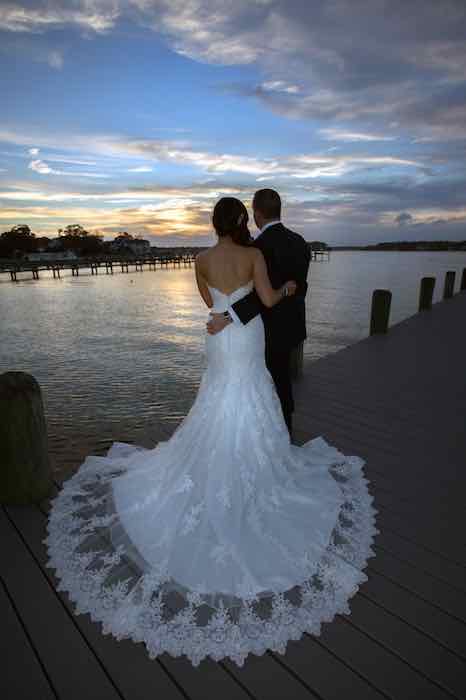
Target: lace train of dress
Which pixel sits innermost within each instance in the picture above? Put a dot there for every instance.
(224, 540)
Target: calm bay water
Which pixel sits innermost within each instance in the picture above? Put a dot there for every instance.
(117, 354)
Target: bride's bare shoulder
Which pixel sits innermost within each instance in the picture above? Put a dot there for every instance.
(253, 253)
(202, 254)
(202, 257)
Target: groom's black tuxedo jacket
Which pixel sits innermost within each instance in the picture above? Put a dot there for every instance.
(287, 256)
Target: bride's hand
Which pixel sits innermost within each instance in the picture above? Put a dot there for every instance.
(289, 288)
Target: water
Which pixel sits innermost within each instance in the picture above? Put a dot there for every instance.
(115, 355)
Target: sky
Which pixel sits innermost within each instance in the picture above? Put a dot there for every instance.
(138, 115)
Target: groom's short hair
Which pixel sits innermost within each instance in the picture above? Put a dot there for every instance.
(268, 202)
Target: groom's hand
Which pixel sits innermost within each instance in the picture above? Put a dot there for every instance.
(217, 323)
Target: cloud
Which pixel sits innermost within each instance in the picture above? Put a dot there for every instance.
(187, 218)
(99, 16)
(355, 212)
(55, 59)
(404, 218)
(145, 193)
(280, 86)
(39, 166)
(303, 165)
(74, 161)
(29, 47)
(351, 60)
(296, 166)
(335, 134)
(212, 31)
(345, 61)
(430, 216)
(140, 169)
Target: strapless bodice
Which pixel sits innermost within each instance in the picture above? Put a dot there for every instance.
(222, 300)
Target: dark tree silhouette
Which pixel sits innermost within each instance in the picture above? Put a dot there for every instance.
(17, 241)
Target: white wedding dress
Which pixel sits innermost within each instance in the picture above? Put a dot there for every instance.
(224, 540)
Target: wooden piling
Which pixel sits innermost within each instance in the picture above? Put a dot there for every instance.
(426, 293)
(380, 310)
(25, 476)
(449, 284)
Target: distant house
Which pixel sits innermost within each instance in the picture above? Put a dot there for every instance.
(122, 244)
(54, 243)
(139, 246)
(317, 245)
(51, 256)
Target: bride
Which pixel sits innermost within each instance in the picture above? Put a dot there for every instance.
(226, 539)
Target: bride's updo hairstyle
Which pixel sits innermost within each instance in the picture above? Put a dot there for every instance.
(230, 218)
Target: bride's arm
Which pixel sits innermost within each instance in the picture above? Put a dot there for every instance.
(201, 282)
(267, 294)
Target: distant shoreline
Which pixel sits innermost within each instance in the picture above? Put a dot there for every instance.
(432, 246)
(402, 246)
(402, 249)
(409, 246)
(316, 246)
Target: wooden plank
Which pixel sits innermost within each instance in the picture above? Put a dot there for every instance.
(327, 674)
(403, 464)
(431, 563)
(72, 666)
(437, 509)
(439, 594)
(424, 533)
(385, 670)
(124, 660)
(269, 680)
(22, 675)
(426, 539)
(413, 604)
(432, 660)
(421, 615)
(326, 391)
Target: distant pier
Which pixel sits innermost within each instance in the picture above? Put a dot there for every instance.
(105, 264)
(320, 255)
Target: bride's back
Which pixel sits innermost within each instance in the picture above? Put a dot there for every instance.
(227, 266)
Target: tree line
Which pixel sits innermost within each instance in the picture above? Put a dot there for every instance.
(20, 240)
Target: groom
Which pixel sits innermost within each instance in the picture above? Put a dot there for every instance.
(287, 256)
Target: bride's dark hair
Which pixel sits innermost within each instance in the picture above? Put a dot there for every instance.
(230, 218)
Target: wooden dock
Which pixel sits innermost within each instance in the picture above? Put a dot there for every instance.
(399, 401)
(108, 263)
(320, 255)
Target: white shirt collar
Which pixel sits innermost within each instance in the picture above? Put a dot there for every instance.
(270, 223)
